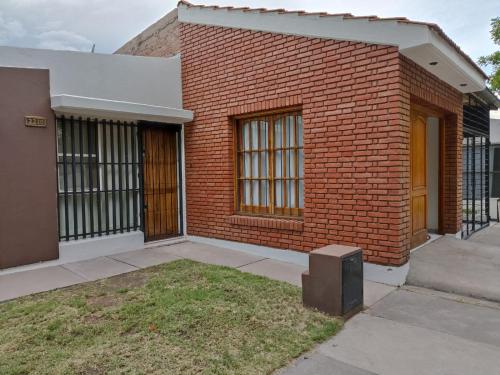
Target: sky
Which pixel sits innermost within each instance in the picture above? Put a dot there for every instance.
(78, 24)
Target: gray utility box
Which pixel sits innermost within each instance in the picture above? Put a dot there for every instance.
(334, 282)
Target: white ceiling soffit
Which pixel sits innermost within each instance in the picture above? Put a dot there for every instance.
(416, 41)
(117, 110)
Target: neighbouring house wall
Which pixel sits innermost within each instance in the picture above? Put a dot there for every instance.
(146, 80)
(356, 149)
(433, 174)
(495, 130)
(421, 87)
(28, 190)
(160, 39)
(494, 140)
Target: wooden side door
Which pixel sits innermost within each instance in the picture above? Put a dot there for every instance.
(418, 166)
(160, 186)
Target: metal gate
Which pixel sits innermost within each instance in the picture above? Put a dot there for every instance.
(475, 162)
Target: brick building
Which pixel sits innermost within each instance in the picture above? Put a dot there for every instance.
(361, 84)
(309, 129)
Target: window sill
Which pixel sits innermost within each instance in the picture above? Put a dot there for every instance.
(267, 222)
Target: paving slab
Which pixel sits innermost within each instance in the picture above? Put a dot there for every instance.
(277, 270)
(488, 236)
(477, 323)
(317, 364)
(210, 254)
(387, 347)
(99, 268)
(34, 281)
(374, 292)
(145, 257)
(476, 268)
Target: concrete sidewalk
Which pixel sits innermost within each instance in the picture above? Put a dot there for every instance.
(23, 283)
(411, 331)
(468, 268)
(403, 331)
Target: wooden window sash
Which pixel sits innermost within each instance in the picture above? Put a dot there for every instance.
(286, 178)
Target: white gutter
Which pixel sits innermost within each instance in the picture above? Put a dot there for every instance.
(104, 108)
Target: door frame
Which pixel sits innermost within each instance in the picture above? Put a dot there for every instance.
(178, 128)
(429, 111)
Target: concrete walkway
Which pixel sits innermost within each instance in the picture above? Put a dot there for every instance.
(403, 331)
(23, 283)
(412, 331)
(469, 268)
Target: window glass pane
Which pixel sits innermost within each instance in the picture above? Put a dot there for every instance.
(60, 172)
(255, 192)
(246, 164)
(255, 135)
(246, 136)
(59, 139)
(301, 162)
(264, 165)
(290, 163)
(246, 192)
(278, 187)
(278, 165)
(278, 135)
(290, 131)
(290, 193)
(263, 135)
(255, 164)
(300, 140)
(301, 193)
(264, 193)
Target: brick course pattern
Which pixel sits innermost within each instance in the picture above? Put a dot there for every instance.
(355, 102)
(161, 39)
(420, 86)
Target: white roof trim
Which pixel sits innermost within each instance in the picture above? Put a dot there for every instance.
(104, 108)
(406, 36)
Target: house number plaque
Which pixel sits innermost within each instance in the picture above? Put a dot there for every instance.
(35, 121)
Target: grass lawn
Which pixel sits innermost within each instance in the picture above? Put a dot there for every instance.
(177, 318)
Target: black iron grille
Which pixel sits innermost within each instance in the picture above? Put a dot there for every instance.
(475, 184)
(475, 171)
(98, 177)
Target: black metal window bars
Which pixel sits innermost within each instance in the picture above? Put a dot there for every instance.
(98, 167)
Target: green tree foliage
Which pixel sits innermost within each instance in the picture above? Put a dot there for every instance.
(493, 60)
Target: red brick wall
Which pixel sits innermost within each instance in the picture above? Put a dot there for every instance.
(355, 136)
(420, 86)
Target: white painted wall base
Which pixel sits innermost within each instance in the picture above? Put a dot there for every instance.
(395, 276)
(457, 235)
(289, 256)
(73, 251)
(493, 208)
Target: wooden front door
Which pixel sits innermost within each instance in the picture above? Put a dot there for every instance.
(418, 194)
(161, 187)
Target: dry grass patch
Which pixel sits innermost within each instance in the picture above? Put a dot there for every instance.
(178, 318)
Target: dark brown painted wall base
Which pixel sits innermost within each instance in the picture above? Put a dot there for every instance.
(28, 190)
